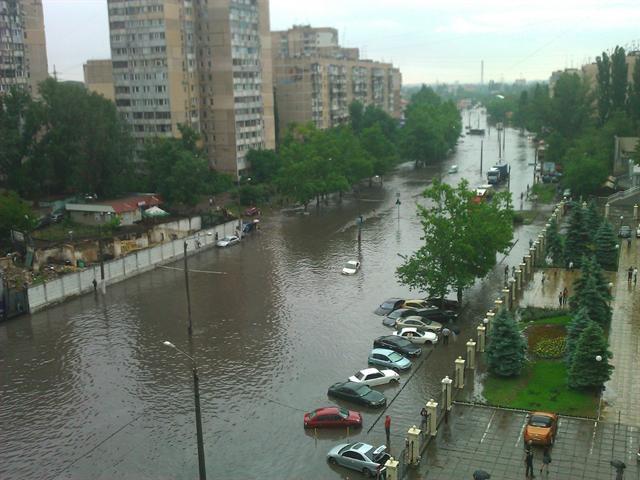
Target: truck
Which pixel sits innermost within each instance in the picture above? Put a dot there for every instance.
(498, 174)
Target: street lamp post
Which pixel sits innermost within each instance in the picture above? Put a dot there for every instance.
(196, 394)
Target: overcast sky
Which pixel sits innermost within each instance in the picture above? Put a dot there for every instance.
(430, 40)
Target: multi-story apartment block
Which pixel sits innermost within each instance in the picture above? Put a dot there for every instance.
(98, 77)
(316, 80)
(23, 51)
(203, 63)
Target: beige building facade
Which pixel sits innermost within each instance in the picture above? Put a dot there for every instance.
(203, 63)
(316, 80)
(98, 78)
(23, 50)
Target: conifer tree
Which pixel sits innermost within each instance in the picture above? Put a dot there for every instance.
(589, 297)
(579, 322)
(578, 237)
(592, 218)
(585, 370)
(506, 351)
(605, 247)
(555, 247)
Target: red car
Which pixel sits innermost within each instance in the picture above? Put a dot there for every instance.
(332, 417)
(251, 211)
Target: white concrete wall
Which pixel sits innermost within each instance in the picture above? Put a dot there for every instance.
(55, 291)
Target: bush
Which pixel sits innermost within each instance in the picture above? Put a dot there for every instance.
(550, 348)
(528, 314)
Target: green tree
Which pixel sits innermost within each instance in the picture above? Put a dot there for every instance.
(634, 95)
(603, 86)
(605, 247)
(506, 350)
(589, 297)
(570, 106)
(356, 111)
(578, 237)
(579, 322)
(554, 244)
(461, 239)
(379, 148)
(619, 73)
(14, 215)
(265, 165)
(585, 370)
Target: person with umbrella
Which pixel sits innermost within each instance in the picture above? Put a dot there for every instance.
(481, 475)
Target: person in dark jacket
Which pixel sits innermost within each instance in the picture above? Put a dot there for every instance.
(528, 461)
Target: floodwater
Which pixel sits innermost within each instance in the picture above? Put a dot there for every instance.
(88, 391)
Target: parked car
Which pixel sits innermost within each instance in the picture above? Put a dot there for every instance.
(443, 303)
(361, 457)
(388, 358)
(390, 319)
(251, 211)
(228, 241)
(351, 267)
(389, 306)
(416, 336)
(57, 217)
(415, 304)
(433, 313)
(357, 393)
(398, 344)
(638, 232)
(373, 376)
(541, 428)
(423, 324)
(326, 417)
(624, 232)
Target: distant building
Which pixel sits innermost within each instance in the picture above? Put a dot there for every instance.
(590, 70)
(315, 79)
(555, 76)
(98, 78)
(623, 152)
(23, 50)
(128, 210)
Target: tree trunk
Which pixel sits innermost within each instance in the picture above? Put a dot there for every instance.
(317, 201)
(370, 182)
(460, 295)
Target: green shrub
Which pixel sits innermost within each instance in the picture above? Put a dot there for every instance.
(550, 348)
(528, 314)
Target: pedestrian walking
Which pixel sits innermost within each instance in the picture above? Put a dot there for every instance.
(570, 265)
(424, 415)
(543, 279)
(565, 296)
(387, 429)
(629, 275)
(528, 462)
(445, 336)
(635, 276)
(513, 272)
(506, 270)
(546, 460)
(560, 299)
(530, 243)
(95, 285)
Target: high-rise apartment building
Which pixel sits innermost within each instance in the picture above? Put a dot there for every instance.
(316, 79)
(98, 78)
(23, 51)
(203, 63)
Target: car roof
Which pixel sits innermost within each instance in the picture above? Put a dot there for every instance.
(353, 262)
(412, 330)
(326, 410)
(545, 414)
(393, 300)
(384, 351)
(367, 371)
(415, 317)
(361, 447)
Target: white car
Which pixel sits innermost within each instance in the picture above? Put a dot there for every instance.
(351, 267)
(638, 232)
(416, 336)
(228, 241)
(373, 376)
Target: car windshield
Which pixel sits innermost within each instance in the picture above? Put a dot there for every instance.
(387, 305)
(350, 265)
(343, 413)
(540, 421)
(395, 314)
(362, 390)
(359, 375)
(395, 357)
(312, 415)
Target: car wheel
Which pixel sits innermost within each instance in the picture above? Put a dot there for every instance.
(367, 472)
(396, 369)
(332, 461)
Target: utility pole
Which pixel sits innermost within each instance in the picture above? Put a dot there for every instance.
(481, 146)
(186, 283)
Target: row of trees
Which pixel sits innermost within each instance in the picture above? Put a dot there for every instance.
(461, 239)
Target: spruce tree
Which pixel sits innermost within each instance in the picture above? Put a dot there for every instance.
(578, 238)
(605, 247)
(590, 269)
(585, 370)
(592, 218)
(592, 300)
(579, 322)
(555, 247)
(506, 351)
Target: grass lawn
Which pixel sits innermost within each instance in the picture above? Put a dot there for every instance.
(542, 386)
(560, 320)
(546, 192)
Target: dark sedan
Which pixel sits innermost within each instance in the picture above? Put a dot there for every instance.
(397, 344)
(433, 313)
(390, 319)
(357, 393)
(443, 303)
(389, 306)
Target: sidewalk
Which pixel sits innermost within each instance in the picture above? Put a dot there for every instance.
(622, 394)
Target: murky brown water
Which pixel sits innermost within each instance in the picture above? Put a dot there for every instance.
(88, 391)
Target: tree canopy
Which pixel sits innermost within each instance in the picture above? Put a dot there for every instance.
(506, 349)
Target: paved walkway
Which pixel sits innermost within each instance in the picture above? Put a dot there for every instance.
(545, 294)
(491, 439)
(622, 394)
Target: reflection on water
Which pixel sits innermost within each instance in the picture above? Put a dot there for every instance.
(88, 390)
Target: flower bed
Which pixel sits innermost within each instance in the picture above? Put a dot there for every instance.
(550, 348)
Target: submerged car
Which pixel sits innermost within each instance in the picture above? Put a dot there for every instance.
(328, 417)
(373, 376)
(357, 393)
(624, 232)
(433, 313)
(228, 241)
(388, 358)
(389, 306)
(390, 319)
(351, 267)
(424, 324)
(397, 344)
(541, 428)
(361, 457)
(414, 335)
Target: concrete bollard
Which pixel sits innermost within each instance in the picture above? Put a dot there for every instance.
(607, 210)
(635, 212)
(542, 241)
(512, 291)
(498, 305)
(432, 412)
(490, 316)
(482, 331)
(506, 298)
(471, 354)
(413, 437)
(392, 469)
(459, 372)
(532, 254)
(584, 205)
(528, 270)
(447, 392)
(519, 286)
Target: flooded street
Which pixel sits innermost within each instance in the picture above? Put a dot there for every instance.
(88, 391)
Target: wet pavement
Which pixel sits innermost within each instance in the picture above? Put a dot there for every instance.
(88, 391)
(490, 439)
